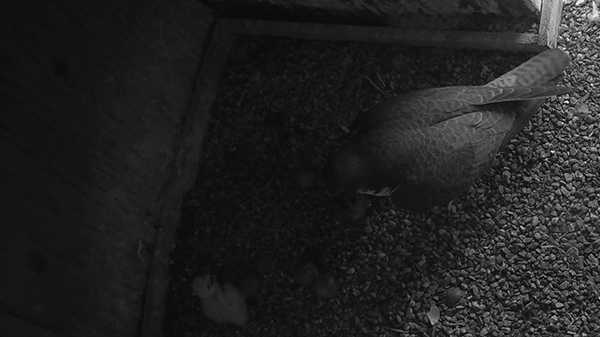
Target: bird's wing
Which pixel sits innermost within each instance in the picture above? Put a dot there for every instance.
(488, 131)
(543, 69)
(538, 70)
(445, 159)
(432, 106)
(421, 166)
(529, 81)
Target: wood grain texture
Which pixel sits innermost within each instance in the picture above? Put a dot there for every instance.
(95, 93)
(19, 327)
(393, 7)
(471, 15)
(448, 39)
(183, 174)
(550, 22)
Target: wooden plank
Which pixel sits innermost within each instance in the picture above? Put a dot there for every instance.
(71, 231)
(64, 274)
(550, 22)
(88, 138)
(17, 327)
(537, 4)
(382, 8)
(448, 39)
(183, 175)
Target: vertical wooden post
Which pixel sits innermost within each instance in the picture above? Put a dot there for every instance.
(550, 22)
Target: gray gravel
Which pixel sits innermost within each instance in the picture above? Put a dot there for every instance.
(517, 256)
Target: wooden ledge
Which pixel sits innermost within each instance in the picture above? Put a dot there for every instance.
(526, 42)
(381, 34)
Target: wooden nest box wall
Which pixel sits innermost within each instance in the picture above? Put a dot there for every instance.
(102, 133)
(528, 25)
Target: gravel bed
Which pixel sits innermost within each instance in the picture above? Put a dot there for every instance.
(517, 256)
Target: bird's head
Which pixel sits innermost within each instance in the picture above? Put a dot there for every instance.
(347, 170)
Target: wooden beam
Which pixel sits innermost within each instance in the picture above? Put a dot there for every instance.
(381, 11)
(17, 326)
(550, 22)
(537, 4)
(183, 175)
(89, 137)
(379, 34)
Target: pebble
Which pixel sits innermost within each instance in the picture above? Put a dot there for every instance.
(453, 296)
(535, 221)
(593, 260)
(573, 251)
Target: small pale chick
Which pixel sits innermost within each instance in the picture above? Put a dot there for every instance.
(224, 304)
